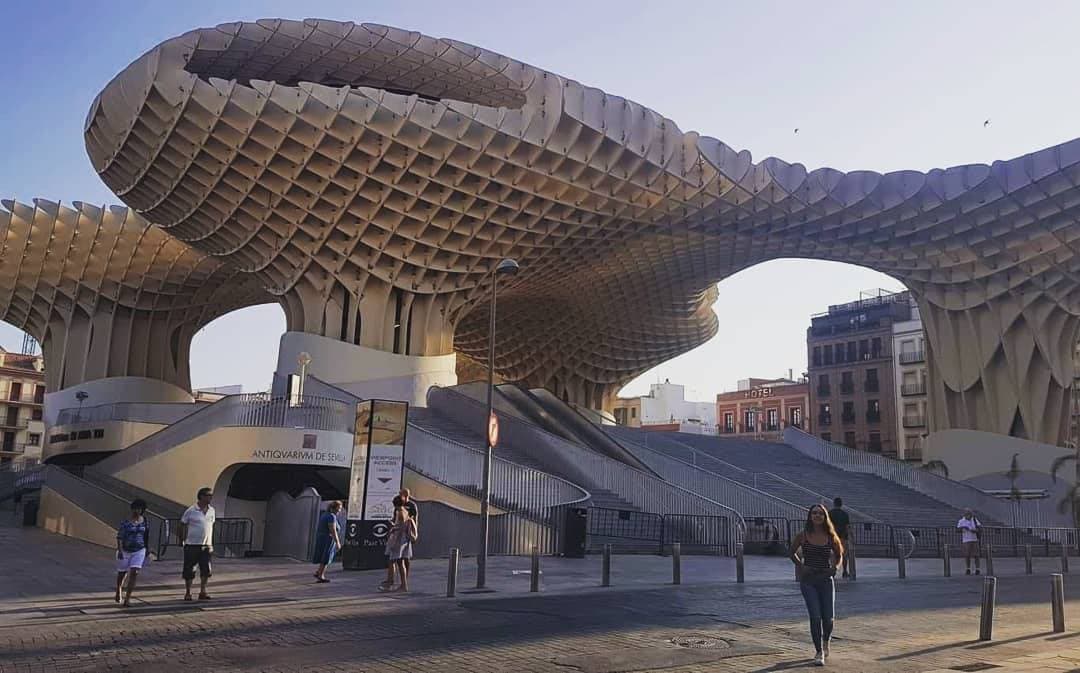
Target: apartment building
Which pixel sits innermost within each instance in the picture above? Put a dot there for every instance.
(911, 390)
(852, 374)
(22, 394)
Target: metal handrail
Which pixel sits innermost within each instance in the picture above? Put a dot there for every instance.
(514, 487)
(99, 502)
(746, 500)
(256, 410)
(592, 469)
(954, 493)
(221, 540)
(163, 413)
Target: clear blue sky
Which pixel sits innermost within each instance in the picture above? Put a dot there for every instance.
(870, 86)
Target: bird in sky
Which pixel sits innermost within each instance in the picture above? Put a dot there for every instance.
(986, 123)
(796, 130)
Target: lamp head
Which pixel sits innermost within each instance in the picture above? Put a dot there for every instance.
(303, 359)
(507, 267)
(81, 395)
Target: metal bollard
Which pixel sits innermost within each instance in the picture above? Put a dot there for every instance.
(946, 560)
(854, 560)
(451, 573)
(534, 575)
(1064, 559)
(989, 559)
(740, 568)
(1027, 559)
(1057, 602)
(901, 565)
(605, 568)
(986, 615)
(676, 563)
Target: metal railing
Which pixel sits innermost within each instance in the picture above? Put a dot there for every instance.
(444, 526)
(514, 487)
(258, 410)
(911, 357)
(100, 503)
(744, 499)
(644, 532)
(18, 478)
(23, 399)
(914, 421)
(586, 467)
(908, 389)
(164, 413)
(232, 537)
(953, 493)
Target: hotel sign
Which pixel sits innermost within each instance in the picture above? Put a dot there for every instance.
(756, 393)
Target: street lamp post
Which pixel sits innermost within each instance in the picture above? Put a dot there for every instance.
(81, 396)
(303, 360)
(506, 267)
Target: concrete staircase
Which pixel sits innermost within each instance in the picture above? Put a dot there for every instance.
(446, 427)
(879, 498)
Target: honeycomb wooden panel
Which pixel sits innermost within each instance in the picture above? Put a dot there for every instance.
(369, 177)
(106, 294)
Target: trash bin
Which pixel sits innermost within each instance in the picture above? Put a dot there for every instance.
(575, 532)
(30, 510)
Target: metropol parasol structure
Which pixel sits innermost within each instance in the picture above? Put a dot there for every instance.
(368, 179)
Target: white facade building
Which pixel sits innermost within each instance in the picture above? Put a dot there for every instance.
(666, 404)
(909, 376)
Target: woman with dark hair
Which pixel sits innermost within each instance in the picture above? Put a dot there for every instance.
(327, 540)
(817, 553)
(132, 539)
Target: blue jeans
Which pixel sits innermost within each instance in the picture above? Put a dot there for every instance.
(820, 596)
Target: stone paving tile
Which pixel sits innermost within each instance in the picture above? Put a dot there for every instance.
(269, 617)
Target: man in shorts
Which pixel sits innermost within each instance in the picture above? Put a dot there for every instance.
(969, 528)
(197, 532)
(402, 499)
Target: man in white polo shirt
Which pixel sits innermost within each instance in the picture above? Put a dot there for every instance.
(197, 532)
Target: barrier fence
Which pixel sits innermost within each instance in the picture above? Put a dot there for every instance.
(628, 532)
(232, 536)
(769, 535)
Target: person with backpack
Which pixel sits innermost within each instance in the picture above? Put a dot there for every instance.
(842, 523)
(132, 541)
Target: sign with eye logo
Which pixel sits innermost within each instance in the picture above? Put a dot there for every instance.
(378, 464)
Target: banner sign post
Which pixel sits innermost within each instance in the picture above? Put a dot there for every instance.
(378, 464)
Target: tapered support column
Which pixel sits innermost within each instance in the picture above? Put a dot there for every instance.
(1004, 366)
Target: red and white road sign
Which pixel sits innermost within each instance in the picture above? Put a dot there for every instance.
(493, 429)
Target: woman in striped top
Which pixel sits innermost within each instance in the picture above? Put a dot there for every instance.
(817, 554)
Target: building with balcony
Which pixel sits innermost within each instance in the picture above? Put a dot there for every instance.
(851, 355)
(911, 389)
(22, 393)
(763, 407)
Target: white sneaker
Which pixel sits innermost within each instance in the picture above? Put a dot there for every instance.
(819, 659)
(825, 651)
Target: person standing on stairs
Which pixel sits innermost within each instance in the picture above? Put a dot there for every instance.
(817, 553)
(842, 522)
(970, 530)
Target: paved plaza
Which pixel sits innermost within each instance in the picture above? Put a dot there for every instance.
(269, 615)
